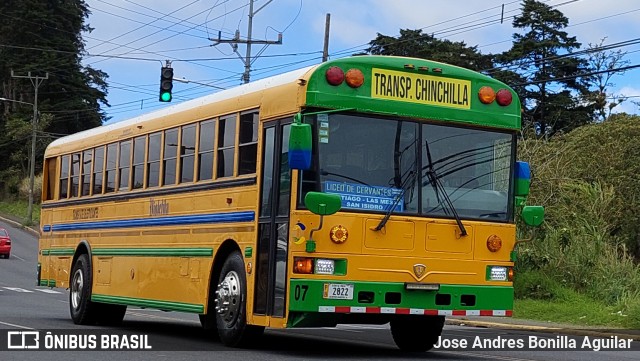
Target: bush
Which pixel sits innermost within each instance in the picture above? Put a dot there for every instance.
(37, 188)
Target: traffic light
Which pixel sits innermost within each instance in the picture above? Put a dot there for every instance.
(166, 83)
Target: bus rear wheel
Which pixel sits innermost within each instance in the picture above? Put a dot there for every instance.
(416, 334)
(231, 304)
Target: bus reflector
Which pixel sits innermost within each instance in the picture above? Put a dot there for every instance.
(335, 75)
(338, 234)
(303, 265)
(504, 97)
(486, 95)
(354, 78)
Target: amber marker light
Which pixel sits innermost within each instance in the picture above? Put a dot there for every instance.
(510, 274)
(338, 234)
(303, 265)
(354, 78)
(486, 95)
(504, 97)
(335, 75)
(494, 243)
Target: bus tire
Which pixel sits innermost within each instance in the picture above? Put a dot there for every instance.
(82, 310)
(231, 304)
(416, 333)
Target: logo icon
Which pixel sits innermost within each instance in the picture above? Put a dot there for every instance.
(23, 340)
(419, 269)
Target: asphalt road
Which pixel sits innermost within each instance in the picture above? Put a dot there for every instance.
(176, 336)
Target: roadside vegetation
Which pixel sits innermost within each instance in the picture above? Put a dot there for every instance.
(583, 265)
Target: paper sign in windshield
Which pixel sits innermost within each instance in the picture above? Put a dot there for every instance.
(365, 197)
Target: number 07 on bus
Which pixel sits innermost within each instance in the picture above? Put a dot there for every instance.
(366, 190)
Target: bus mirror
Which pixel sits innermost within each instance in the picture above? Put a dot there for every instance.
(533, 215)
(323, 204)
(523, 179)
(300, 144)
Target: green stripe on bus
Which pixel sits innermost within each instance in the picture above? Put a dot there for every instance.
(307, 295)
(153, 252)
(48, 283)
(44, 252)
(61, 252)
(141, 302)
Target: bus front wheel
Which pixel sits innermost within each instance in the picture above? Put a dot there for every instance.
(416, 334)
(83, 311)
(231, 303)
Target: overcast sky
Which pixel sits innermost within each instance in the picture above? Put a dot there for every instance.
(152, 31)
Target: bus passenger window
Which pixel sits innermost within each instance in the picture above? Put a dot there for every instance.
(49, 181)
(87, 159)
(226, 146)
(110, 177)
(248, 147)
(139, 147)
(153, 163)
(125, 161)
(205, 150)
(187, 151)
(64, 177)
(75, 175)
(98, 169)
(170, 155)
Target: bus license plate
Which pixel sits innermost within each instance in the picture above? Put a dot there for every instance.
(338, 291)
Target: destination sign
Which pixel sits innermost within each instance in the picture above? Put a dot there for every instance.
(366, 197)
(421, 89)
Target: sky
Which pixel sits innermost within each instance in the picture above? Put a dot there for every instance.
(132, 39)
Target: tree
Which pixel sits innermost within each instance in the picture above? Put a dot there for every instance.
(45, 36)
(604, 63)
(414, 43)
(542, 56)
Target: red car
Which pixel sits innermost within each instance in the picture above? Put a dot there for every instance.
(5, 243)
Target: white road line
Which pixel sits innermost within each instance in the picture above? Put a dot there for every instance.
(18, 326)
(45, 290)
(20, 258)
(18, 289)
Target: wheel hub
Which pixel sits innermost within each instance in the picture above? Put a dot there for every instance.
(76, 289)
(228, 297)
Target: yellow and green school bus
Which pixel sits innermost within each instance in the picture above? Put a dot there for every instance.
(368, 189)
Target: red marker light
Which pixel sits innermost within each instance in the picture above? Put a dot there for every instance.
(504, 97)
(335, 75)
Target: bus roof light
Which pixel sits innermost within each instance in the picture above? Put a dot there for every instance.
(354, 78)
(486, 95)
(335, 75)
(504, 97)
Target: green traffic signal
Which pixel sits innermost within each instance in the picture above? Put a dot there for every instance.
(166, 84)
(165, 97)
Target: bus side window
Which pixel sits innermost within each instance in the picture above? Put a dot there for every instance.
(248, 147)
(226, 146)
(75, 175)
(205, 149)
(170, 155)
(49, 181)
(64, 177)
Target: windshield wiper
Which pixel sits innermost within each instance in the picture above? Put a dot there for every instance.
(438, 187)
(405, 186)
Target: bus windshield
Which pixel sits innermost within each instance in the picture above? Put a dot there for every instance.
(379, 165)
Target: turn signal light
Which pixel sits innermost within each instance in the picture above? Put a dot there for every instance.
(302, 265)
(510, 274)
(486, 95)
(354, 78)
(494, 243)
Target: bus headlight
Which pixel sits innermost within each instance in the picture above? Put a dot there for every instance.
(497, 273)
(325, 266)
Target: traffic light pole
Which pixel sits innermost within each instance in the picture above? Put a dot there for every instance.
(36, 81)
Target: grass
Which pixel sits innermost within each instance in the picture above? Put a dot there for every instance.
(18, 210)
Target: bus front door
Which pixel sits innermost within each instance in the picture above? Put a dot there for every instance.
(273, 223)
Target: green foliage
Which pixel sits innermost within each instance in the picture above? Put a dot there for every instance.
(39, 37)
(414, 43)
(587, 181)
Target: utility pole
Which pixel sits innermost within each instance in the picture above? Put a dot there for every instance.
(35, 81)
(236, 40)
(325, 50)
